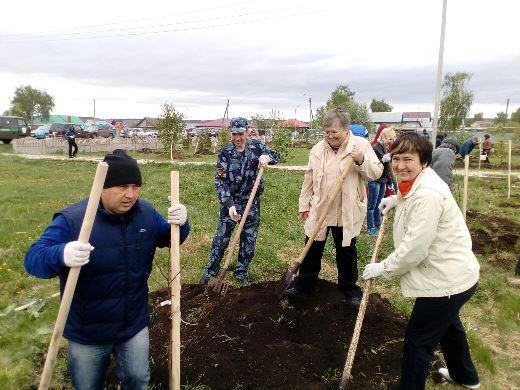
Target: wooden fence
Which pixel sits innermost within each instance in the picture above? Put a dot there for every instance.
(91, 145)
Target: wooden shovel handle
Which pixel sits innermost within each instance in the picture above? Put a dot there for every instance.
(238, 231)
(175, 288)
(362, 309)
(72, 278)
(337, 189)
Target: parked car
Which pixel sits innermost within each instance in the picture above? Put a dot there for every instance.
(142, 133)
(59, 129)
(94, 131)
(41, 131)
(195, 132)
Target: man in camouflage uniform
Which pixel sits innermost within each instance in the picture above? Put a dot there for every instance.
(237, 167)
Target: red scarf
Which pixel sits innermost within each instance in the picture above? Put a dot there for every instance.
(405, 186)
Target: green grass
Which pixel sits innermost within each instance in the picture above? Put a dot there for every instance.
(32, 190)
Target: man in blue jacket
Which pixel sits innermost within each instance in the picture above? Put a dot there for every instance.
(70, 135)
(109, 311)
(237, 168)
(468, 146)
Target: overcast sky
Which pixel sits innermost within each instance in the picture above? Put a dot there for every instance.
(261, 55)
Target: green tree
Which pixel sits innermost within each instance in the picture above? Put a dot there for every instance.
(281, 134)
(515, 116)
(223, 136)
(170, 126)
(343, 97)
(204, 142)
(262, 124)
(29, 102)
(6, 113)
(456, 101)
(500, 118)
(478, 116)
(380, 106)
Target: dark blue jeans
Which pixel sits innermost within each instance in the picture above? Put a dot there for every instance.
(434, 321)
(88, 363)
(376, 192)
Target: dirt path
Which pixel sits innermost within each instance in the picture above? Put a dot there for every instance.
(458, 172)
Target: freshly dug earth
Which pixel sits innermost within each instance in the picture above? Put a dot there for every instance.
(496, 234)
(248, 339)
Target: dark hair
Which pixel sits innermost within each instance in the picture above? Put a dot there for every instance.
(486, 136)
(336, 113)
(413, 143)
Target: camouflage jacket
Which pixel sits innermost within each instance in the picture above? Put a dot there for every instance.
(236, 172)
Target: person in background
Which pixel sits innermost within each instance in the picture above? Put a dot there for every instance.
(377, 188)
(109, 310)
(468, 146)
(237, 168)
(344, 220)
(378, 133)
(433, 258)
(438, 139)
(70, 135)
(487, 145)
(443, 160)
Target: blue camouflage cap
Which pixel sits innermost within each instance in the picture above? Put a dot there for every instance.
(238, 125)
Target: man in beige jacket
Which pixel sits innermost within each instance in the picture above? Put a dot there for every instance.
(345, 218)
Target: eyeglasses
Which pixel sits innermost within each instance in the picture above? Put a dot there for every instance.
(330, 132)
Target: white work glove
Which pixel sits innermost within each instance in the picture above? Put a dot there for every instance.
(386, 158)
(387, 204)
(177, 214)
(372, 270)
(76, 254)
(233, 214)
(264, 159)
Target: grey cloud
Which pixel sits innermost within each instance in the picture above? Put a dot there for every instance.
(201, 72)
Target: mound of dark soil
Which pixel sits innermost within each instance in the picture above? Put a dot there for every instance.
(203, 152)
(248, 339)
(497, 234)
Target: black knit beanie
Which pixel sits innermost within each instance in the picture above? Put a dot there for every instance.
(122, 169)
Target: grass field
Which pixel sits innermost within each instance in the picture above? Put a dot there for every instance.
(32, 190)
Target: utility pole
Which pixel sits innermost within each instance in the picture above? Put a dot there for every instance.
(439, 74)
(507, 107)
(310, 112)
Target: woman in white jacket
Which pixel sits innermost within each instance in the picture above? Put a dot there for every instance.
(434, 260)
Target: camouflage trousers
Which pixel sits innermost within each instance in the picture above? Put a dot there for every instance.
(225, 227)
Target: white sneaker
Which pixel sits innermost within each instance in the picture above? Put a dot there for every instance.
(446, 375)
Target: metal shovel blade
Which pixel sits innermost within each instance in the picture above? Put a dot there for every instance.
(220, 285)
(286, 280)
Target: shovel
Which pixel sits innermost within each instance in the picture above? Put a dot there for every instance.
(72, 279)
(361, 313)
(289, 275)
(220, 285)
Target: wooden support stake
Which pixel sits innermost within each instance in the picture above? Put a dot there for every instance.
(175, 287)
(465, 196)
(509, 173)
(72, 278)
(361, 312)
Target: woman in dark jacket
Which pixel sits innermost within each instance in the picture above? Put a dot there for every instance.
(376, 188)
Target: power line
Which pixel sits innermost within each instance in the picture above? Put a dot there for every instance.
(44, 38)
(57, 31)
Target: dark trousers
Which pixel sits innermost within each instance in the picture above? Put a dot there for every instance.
(72, 143)
(434, 321)
(346, 261)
